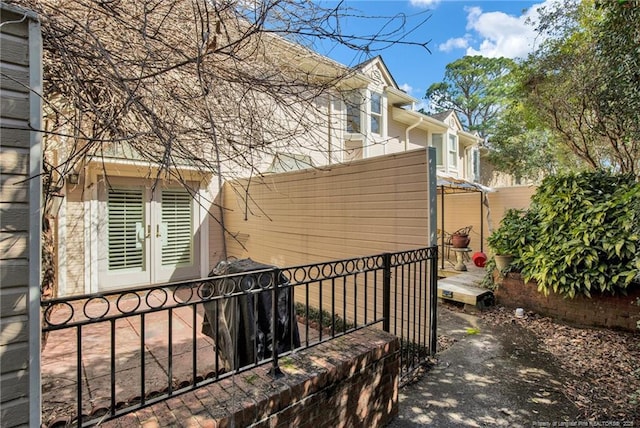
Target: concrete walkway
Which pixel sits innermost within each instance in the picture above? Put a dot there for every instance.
(490, 376)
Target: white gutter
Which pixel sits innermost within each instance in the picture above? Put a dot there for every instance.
(406, 138)
(404, 116)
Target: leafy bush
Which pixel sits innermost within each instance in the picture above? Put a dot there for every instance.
(586, 234)
(517, 230)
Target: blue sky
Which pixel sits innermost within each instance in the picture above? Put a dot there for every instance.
(456, 28)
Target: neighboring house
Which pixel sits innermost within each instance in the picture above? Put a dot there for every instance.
(495, 179)
(458, 151)
(119, 226)
(375, 117)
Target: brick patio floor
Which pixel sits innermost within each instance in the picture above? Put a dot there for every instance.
(60, 365)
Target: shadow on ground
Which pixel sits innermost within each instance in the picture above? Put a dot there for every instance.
(489, 376)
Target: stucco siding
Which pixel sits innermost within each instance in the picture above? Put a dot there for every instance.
(216, 245)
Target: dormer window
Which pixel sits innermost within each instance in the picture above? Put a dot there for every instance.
(376, 113)
(364, 113)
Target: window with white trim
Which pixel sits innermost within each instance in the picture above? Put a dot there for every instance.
(453, 152)
(176, 228)
(436, 141)
(376, 113)
(353, 103)
(126, 219)
(475, 155)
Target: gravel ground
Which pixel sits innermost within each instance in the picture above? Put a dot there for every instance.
(494, 369)
(604, 364)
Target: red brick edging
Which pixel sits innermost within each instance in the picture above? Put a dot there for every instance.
(601, 310)
(349, 381)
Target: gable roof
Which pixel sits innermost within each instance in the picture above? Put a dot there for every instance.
(377, 60)
(443, 114)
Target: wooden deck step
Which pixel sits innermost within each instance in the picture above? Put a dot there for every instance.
(458, 289)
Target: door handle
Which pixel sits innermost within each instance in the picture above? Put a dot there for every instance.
(158, 235)
(148, 231)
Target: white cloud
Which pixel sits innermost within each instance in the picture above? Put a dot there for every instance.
(414, 92)
(424, 3)
(454, 43)
(499, 34)
(407, 88)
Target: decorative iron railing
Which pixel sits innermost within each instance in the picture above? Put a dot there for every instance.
(112, 353)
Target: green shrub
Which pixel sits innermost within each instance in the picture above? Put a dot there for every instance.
(314, 315)
(517, 229)
(587, 234)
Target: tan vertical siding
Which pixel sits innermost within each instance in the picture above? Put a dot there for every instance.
(330, 213)
(15, 143)
(365, 208)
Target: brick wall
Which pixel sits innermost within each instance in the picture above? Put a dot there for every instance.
(349, 381)
(601, 310)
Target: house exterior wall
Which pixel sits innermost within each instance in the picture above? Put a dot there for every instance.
(320, 140)
(216, 245)
(20, 77)
(396, 141)
(75, 255)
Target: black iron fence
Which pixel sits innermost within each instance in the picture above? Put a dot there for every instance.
(109, 354)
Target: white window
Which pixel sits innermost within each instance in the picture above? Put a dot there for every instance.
(453, 152)
(146, 236)
(364, 116)
(436, 140)
(472, 162)
(376, 113)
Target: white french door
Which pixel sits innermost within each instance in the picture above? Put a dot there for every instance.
(146, 235)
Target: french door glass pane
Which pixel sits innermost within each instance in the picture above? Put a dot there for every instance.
(176, 228)
(126, 229)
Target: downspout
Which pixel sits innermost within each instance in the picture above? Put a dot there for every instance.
(406, 138)
(329, 130)
(35, 218)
